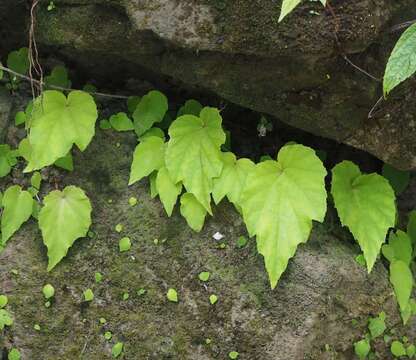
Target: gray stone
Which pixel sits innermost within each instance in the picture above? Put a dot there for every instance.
(293, 70)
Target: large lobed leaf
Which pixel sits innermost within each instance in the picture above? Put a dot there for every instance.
(18, 206)
(59, 122)
(65, 217)
(402, 61)
(279, 202)
(193, 156)
(366, 205)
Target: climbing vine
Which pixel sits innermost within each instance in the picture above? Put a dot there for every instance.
(279, 198)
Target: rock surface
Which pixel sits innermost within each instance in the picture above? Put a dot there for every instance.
(308, 316)
(236, 49)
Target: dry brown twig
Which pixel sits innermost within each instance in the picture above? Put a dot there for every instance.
(34, 65)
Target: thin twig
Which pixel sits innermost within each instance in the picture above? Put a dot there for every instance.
(41, 83)
(338, 42)
(375, 107)
(360, 69)
(33, 55)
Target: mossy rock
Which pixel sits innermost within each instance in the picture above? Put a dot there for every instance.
(322, 290)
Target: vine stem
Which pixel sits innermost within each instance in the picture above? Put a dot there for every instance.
(42, 83)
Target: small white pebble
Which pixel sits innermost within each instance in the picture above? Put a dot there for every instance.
(218, 236)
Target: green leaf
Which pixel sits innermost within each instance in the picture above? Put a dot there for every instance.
(48, 291)
(168, 191)
(362, 348)
(117, 350)
(204, 276)
(66, 162)
(18, 61)
(402, 61)
(402, 280)
(398, 248)
(411, 351)
(124, 244)
(14, 354)
(151, 109)
(88, 295)
(213, 299)
(233, 355)
(397, 349)
(242, 241)
(193, 155)
(232, 179)
(17, 205)
(119, 228)
(7, 160)
(3, 301)
(98, 277)
(121, 122)
(287, 7)
(191, 107)
(58, 77)
(366, 205)
(58, 123)
(20, 118)
(132, 201)
(377, 326)
(5, 319)
(172, 295)
(398, 179)
(36, 180)
(132, 103)
(65, 217)
(148, 156)
(105, 124)
(193, 211)
(279, 202)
